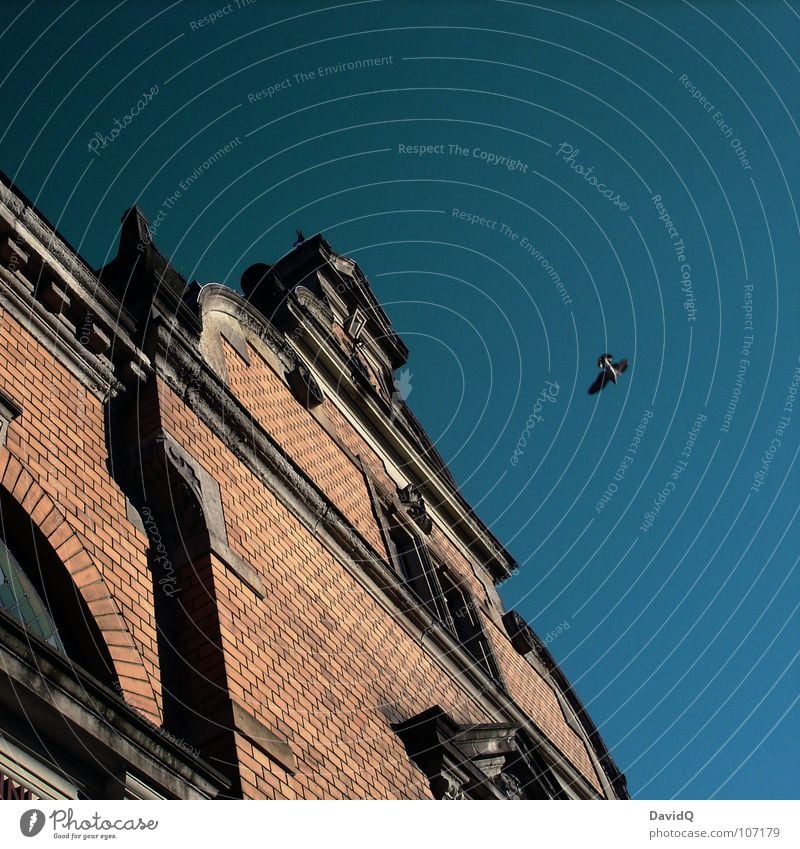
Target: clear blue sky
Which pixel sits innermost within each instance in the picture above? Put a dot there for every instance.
(680, 628)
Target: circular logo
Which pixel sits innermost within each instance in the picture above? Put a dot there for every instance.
(31, 822)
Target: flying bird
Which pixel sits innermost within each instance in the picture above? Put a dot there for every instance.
(609, 372)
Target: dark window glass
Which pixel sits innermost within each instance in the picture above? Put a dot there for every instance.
(434, 587)
(417, 571)
(466, 625)
(21, 600)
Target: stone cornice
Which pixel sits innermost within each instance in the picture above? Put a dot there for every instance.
(57, 336)
(109, 724)
(53, 294)
(72, 264)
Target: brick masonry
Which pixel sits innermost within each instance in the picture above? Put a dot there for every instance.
(313, 655)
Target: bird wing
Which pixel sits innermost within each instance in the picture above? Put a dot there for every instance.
(621, 366)
(601, 381)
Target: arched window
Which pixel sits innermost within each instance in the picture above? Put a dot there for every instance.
(20, 599)
(37, 590)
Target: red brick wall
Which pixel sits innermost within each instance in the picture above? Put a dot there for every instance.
(55, 465)
(307, 443)
(319, 660)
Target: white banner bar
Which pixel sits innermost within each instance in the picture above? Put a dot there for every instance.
(382, 825)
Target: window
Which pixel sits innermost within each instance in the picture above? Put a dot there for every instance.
(37, 590)
(21, 600)
(417, 571)
(440, 594)
(29, 774)
(467, 625)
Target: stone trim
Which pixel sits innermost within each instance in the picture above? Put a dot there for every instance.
(109, 728)
(312, 332)
(9, 410)
(527, 643)
(207, 491)
(264, 738)
(411, 501)
(237, 341)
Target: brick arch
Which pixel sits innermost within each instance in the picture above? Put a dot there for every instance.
(136, 685)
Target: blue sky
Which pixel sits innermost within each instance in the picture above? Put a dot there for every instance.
(526, 186)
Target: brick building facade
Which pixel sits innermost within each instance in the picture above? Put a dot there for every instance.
(233, 563)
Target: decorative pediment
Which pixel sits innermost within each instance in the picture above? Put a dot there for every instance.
(414, 505)
(484, 761)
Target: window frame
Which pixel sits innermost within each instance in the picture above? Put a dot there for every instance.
(24, 593)
(467, 626)
(444, 596)
(393, 521)
(414, 567)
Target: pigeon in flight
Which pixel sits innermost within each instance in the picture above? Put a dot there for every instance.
(609, 372)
